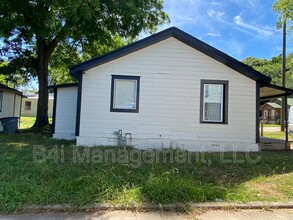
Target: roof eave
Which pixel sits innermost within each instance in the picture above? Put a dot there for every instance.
(181, 36)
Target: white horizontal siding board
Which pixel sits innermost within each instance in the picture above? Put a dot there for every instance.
(10, 105)
(7, 104)
(65, 121)
(170, 74)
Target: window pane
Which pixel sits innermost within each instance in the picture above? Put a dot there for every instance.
(213, 102)
(212, 112)
(125, 94)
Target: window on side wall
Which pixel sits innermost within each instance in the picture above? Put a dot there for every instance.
(214, 101)
(125, 93)
(28, 105)
(1, 100)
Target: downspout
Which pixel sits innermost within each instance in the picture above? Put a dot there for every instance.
(257, 115)
(78, 105)
(287, 146)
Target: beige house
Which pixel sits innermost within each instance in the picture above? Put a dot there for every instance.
(10, 102)
(30, 103)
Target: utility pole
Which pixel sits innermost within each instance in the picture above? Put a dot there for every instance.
(284, 107)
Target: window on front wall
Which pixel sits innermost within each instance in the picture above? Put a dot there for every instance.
(28, 105)
(1, 100)
(125, 93)
(214, 101)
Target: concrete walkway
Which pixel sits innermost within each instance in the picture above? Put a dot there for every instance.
(277, 214)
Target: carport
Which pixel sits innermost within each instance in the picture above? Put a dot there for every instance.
(267, 93)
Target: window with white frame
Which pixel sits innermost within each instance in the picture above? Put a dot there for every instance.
(125, 93)
(1, 101)
(214, 101)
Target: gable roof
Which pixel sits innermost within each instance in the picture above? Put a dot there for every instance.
(6, 88)
(181, 36)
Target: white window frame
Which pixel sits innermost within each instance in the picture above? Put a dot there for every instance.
(221, 102)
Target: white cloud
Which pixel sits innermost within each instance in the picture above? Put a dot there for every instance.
(218, 15)
(186, 13)
(246, 27)
(214, 34)
(247, 3)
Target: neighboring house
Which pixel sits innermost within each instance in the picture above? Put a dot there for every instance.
(10, 102)
(167, 90)
(271, 112)
(30, 104)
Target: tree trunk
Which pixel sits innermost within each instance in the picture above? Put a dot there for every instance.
(42, 69)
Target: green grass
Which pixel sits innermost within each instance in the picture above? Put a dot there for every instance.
(28, 122)
(271, 125)
(277, 135)
(67, 180)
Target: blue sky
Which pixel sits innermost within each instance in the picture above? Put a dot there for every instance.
(240, 28)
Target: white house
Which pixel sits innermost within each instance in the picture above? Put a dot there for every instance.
(167, 90)
(30, 103)
(10, 102)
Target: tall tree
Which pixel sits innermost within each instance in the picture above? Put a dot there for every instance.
(32, 29)
(284, 9)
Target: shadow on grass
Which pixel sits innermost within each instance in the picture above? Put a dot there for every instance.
(59, 173)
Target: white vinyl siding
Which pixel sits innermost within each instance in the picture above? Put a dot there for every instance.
(10, 105)
(169, 111)
(65, 113)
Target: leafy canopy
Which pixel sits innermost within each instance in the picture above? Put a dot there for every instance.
(28, 27)
(273, 68)
(284, 9)
(32, 30)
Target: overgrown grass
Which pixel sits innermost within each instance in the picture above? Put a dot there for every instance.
(72, 179)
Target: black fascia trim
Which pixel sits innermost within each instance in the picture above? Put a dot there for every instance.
(137, 78)
(120, 52)
(257, 113)
(221, 57)
(181, 36)
(4, 87)
(288, 91)
(54, 110)
(275, 96)
(226, 98)
(78, 105)
(63, 85)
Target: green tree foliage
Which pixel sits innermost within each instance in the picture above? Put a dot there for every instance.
(32, 30)
(273, 68)
(284, 9)
(66, 55)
